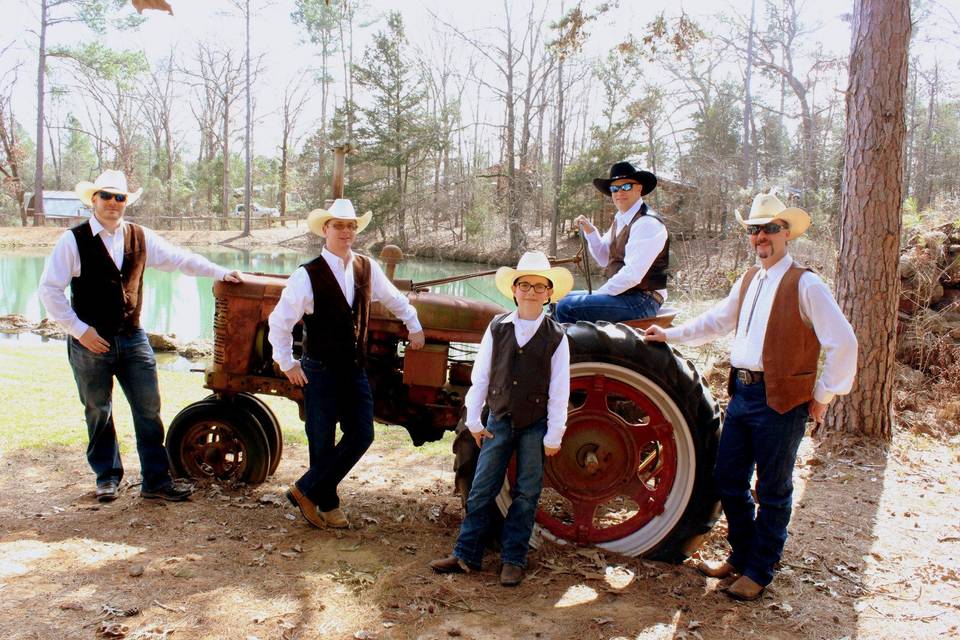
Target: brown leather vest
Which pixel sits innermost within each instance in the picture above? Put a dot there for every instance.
(106, 298)
(520, 376)
(790, 347)
(656, 276)
(336, 333)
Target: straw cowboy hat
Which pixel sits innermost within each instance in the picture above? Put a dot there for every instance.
(111, 181)
(625, 171)
(342, 209)
(535, 263)
(767, 207)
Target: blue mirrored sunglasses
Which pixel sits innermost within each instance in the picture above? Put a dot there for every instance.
(623, 187)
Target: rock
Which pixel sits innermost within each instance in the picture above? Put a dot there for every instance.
(160, 342)
(196, 350)
(136, 571)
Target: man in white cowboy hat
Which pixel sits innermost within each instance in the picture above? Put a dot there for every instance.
(102, 261)
(635, 254)
(332, 295)
(783, 315)
(522, 373)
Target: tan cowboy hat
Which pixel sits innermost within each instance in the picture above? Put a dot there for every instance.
(111, 181)
(767, 207)
(342, 209)
(535, 263)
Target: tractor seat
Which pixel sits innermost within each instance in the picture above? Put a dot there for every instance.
(664, 318)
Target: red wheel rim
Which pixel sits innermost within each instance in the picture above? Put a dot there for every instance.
(618, 444)
(213, 449)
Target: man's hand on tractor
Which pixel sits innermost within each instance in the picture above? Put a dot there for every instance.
(584, 224)
(92, 341)
(551, 451)
(296, 375)
(817, 411)
(415, 340)
(655, 333)
(480, 436)
(233, 276)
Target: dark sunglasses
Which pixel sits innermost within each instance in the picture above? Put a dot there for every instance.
(107, 197)
(623, 187)
(539, 287)
(770, 228)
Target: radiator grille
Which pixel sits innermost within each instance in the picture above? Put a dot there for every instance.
(220, 330)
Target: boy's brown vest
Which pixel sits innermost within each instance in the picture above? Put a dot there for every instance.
(335, 333)
(656, 276)
(790, 347)
(106, 298)
(520, 376)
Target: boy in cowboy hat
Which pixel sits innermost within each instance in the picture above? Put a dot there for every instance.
(783, 315)
(340, 284)
(522, 373)
(102, 261)
(634, 252)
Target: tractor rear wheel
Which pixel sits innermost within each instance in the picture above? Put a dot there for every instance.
(217, 439)
(268, 422)
(634, 472)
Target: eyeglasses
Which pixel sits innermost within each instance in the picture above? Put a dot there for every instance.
(539, 287)
(107, 196)
(770, 228)
(623, 187)
(341, 226)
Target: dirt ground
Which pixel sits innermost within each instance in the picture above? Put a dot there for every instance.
(874, 552)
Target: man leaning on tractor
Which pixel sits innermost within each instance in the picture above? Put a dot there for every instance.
(332, 294)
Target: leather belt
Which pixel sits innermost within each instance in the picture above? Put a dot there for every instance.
(656, 296)
(748, 377)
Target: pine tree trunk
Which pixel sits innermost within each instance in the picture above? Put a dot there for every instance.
(41, 75)
(867, 278)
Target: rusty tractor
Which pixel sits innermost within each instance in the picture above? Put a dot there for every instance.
(633, 475)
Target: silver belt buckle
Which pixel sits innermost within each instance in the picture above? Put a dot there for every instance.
(744, 376)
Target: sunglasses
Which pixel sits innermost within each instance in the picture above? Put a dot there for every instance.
(341, 226)
(539, 287)
(770, 228)
(623, 187)
(107, 197)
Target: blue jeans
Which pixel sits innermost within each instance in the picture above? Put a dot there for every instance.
(492, 464)
(332, 395)
(754, 435)
(580, 305)
(131, 360)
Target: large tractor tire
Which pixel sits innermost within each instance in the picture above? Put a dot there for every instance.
(216, 439)
(265, 417)
(634, 472)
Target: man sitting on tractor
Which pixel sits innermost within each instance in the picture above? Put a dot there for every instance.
(634, 252)
(522, 373)
(332, 294)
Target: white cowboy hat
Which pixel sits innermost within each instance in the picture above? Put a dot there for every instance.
(342, 209)
(767, 207)
(535, 263)
(111, 181)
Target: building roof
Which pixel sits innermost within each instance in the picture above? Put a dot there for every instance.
(60, 204)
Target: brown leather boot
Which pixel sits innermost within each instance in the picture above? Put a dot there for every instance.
(450, 564)
(511, 575)
(307, 509)
(744, 589)
(714, 570)
(335, 518)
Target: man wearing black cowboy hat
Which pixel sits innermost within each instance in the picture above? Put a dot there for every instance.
(634, 253)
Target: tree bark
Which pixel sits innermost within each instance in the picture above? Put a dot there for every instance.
(867, 271)
(41, 75)
(747, 103)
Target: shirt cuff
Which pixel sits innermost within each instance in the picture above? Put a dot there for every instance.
(284, 362)
(475, 428)
(78, 329)
(554, 442)
(822, 396)
(673, 333)
(222, 273)
(413, 326)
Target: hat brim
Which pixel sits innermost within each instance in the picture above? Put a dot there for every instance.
(648, 182)
(319, 217)
(798, 219)
(561, 278)
(85, 191)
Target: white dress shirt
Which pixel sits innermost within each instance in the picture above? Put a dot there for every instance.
(296, 301)
(647, 239)
(817, 309)
(559, 390)
(64, 264)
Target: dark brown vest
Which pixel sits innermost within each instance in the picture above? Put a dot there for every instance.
(656, 276)
(335, 333)
(106, 298)
(790, 347)
(520, 376)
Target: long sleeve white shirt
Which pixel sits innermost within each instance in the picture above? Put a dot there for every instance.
(64, 264)
(647, 239)
(297, 301)
(559, 389)
(817, 309)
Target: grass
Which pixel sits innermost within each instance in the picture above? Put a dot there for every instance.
(41, 408)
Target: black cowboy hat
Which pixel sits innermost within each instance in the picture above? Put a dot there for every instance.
(625, 171)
